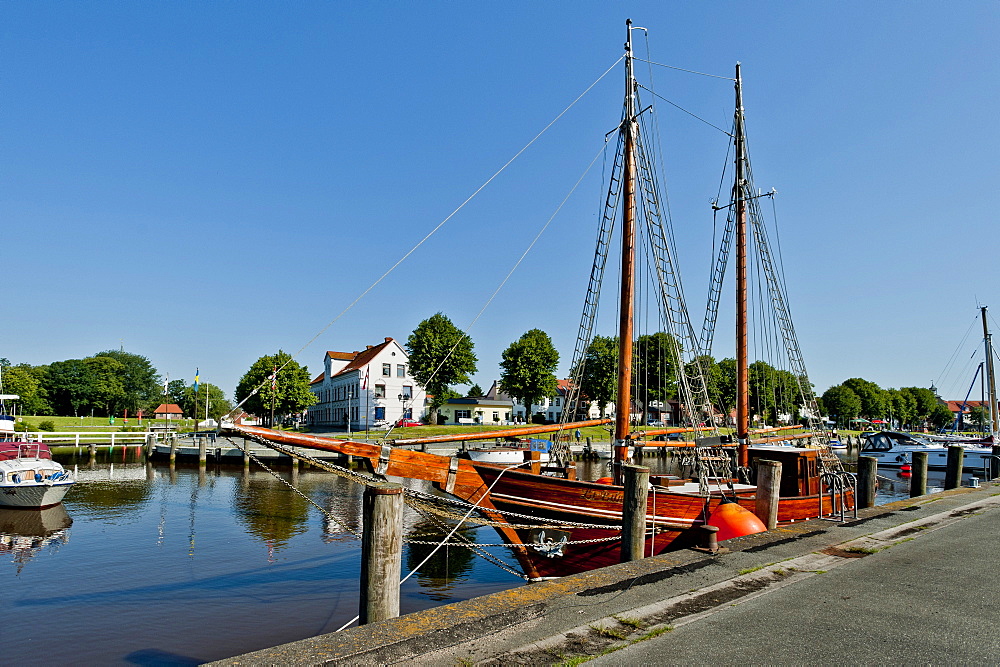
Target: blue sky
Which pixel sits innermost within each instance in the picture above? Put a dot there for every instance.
(204, 183)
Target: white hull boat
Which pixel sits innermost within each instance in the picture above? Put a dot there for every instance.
(894, 450)
(29, 478)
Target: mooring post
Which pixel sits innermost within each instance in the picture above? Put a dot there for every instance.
(953, 474)
(918, 474)
(202, 452)
(867, 475)
(92, 450)
(150, 444)
(381, 552)
(634, 511)
(173, 450)
(995, 463)
(768, 488)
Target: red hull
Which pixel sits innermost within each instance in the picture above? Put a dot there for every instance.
(673, 519)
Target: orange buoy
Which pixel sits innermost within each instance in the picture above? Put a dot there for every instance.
(905, 468)
(734, 521)
(604, 480)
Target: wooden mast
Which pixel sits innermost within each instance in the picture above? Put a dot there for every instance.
(742, 366)
(623, 405)
(991, 387)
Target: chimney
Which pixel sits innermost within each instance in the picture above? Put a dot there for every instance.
(368, 347)
(388, 339)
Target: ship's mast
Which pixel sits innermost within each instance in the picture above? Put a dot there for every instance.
(623, 406)
(990, 377)
(739, 199)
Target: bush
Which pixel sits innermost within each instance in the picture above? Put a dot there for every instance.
(46, 426)
(24, 426)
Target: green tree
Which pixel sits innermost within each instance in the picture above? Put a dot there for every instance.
(286, 393)
(656, 367)
(141, 384)
(841, 404)
(193, 402)
(599, 381)
(902, 406)
(67, 385)
(726, 389)
(440, 356)
(25, 381)
(874, 403)
(979, 416)
(475, 391)
(941, 416)
(107, 390)
(925, 401)
(528, 368)
(176, 392)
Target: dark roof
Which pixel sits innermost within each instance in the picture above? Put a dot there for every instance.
(362, 359)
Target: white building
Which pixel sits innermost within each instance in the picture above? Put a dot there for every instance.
(549, 408)
(365, 389)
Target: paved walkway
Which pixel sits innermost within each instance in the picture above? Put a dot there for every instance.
(908, 582)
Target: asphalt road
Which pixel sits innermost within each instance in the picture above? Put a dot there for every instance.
(928, 601)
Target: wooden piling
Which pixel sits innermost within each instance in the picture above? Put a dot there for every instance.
(202, 452)
(995, 463)
(92, 450)
(173, 450)
(768, 487)
(918, 474)
(953, 473)
(381, 552)
(867, 475)
(634, 511)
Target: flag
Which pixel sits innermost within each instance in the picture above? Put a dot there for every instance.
(365, 384)
(196, 374)
(274, 378)
(166, 384)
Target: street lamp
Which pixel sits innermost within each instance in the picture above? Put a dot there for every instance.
(402, 399)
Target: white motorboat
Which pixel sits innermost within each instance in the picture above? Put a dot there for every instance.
(29, 478)
(509, 454)
(893, 449)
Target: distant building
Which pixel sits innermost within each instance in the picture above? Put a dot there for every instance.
(366, 389)
(549, 408)
(168, 411)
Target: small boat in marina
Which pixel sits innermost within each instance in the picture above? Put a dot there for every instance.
(509, 454)
(29, 478)
(894, 449)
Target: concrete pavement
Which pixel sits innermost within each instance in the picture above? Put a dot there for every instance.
(908, 582)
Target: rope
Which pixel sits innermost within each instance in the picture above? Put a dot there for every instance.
(689, 71)
(392, 268)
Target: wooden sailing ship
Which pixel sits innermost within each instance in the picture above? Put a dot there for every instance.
(560, 525)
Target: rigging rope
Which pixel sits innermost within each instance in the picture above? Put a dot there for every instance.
(392, 268)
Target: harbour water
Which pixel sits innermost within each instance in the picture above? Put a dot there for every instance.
(147, 564)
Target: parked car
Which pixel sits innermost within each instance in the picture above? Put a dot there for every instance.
(407, 422)
(654, 422)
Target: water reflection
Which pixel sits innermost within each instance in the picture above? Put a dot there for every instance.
(438, 576)
(270, 510)
(25, 533)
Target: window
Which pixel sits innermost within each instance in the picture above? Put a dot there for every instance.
(408, 413)
(557, 402)
(463, 414)
(379, 413)
(496, 416)
(407, 392)
(400, 370)
(386, 370)
(380, 391)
